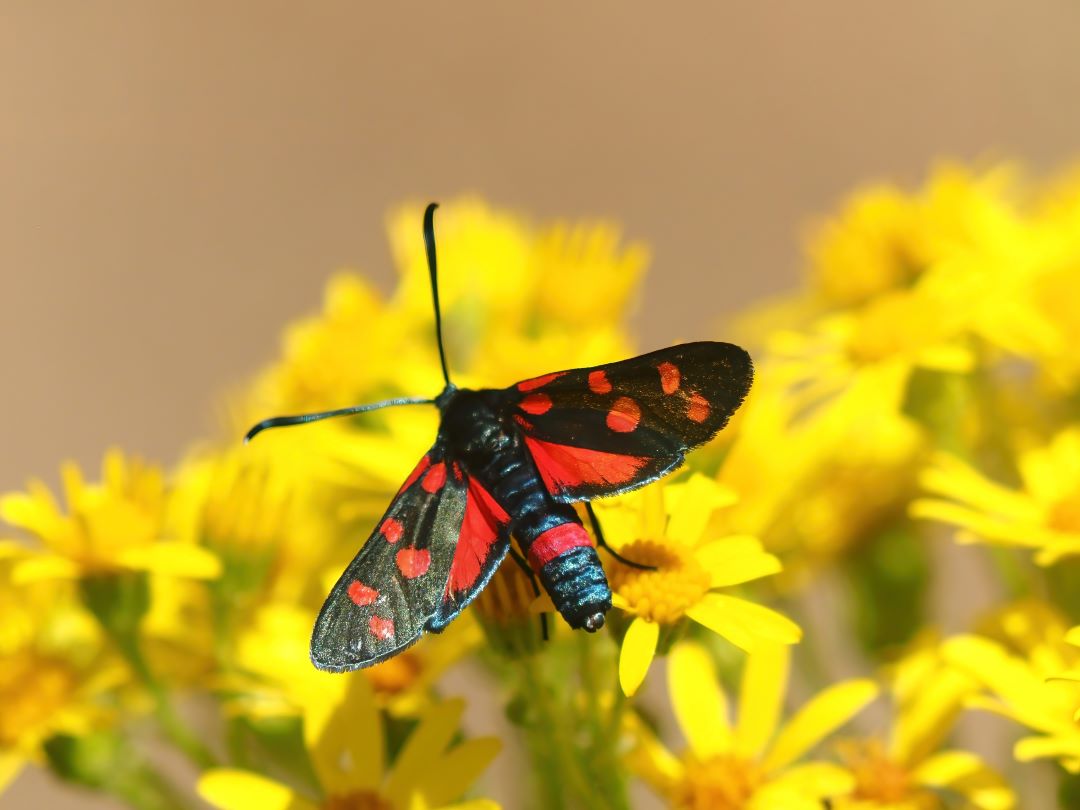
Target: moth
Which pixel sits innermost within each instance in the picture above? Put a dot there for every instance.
(507, 464)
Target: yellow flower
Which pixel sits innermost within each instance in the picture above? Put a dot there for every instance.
(53, 669)
(1037, 688)
(909, 770)
(519, 299)
(755, 763)
(666, 526)
(1043, 515)
(813, 486)
(884, 239)
(343, 733)
(273, 675)
(108, 528)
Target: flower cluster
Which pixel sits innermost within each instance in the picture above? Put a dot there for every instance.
(921, 387)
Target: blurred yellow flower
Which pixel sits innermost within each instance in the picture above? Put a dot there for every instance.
(1035, 684)
(343, 733)
(909, 771)
(666, 526)
(273, 675)
(518, 299)
(813, 486)
(755, 763)
(884, 239)
(1043, 515)
(54, 670)
(110, 527)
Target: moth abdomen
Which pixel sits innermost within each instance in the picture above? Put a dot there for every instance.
(570, 571)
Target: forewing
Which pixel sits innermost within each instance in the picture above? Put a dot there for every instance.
(432, 551)
(608, 429)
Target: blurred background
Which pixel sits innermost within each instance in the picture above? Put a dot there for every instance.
(178, 181)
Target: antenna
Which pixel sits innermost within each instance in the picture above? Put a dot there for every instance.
(429, 243)
(285, 421)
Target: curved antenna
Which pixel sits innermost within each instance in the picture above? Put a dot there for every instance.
(284, 421)
(429, 243)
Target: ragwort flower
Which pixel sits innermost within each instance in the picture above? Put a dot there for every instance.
(54, 669)
(909, 770)
(666, 526)
(757, 762)
(343, 734)
(108, 528)
(1033, 678)
(1043, 515)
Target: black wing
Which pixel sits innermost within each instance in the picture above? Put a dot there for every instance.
(437, 545)
(609, 429)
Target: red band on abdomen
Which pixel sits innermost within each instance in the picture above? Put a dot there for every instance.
(555, 541)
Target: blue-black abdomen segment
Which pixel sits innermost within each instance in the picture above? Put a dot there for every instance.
(577, 586)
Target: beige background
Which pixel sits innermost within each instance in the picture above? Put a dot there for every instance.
(178, 179)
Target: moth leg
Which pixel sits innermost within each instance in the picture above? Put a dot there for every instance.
(524, 565)
(602, 543)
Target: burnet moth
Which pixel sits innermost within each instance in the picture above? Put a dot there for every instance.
(508, 463)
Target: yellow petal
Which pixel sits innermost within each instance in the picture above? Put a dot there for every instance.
(761, 697)
(10, 767)
(820, 717)
(43, 567)
(343, 732)
(690, 505)
(425, 745)
(650, 761)
(816, 780)
(1072, 636)
(743, 623)
(699, 703)
(232, 789)
(1013, 680)
(172, 559)
(1031, 748)
(739, 568)
(638, 649)
(446, 778)
(964, 773)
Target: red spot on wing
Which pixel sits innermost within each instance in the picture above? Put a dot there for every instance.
(521, 420)
(554, 542)
(434, 478)
(425, 462)
(382, 629)
(564, 467)
(457, 471)
(479, 530)
(669, 377)
(538, 382)
(413, 562)
(536, 404)
(697, 408)
(624, 415)
(361, 594)
(599, 383)
(392, 530)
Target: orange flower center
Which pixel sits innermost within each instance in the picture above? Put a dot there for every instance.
(718, 783)
(358, 800)
(662, 595)
(878, 778)
(33, 689)
(395, 675)
(1065, 514)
